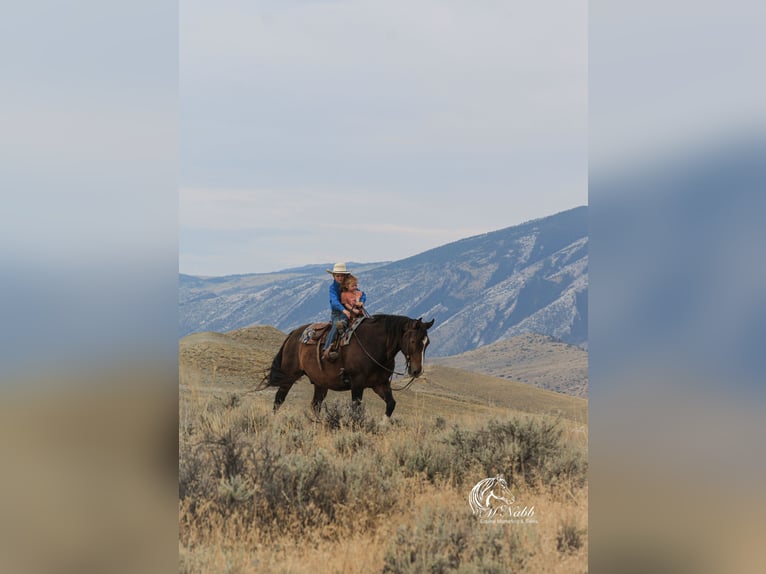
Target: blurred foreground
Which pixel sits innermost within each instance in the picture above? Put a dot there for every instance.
(89, 477)
(677, 331)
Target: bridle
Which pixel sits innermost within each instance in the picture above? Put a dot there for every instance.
(392, 371)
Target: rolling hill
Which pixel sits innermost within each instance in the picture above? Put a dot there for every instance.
(217, 364)
(539, 360)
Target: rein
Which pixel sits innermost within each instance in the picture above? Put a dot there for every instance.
(392, 371)
(405, 387)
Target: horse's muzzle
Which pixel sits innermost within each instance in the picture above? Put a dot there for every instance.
(415, 372)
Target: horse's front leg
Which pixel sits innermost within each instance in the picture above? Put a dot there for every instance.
(384, 392)
(356, 400)
(319, 394)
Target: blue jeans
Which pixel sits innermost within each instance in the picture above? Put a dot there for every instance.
(336, 316)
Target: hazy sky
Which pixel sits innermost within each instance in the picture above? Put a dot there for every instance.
(317, 131)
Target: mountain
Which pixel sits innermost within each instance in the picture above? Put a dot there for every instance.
(527, 278)
(538, 360)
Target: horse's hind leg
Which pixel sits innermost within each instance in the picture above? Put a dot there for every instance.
(319, 394)
(279, 398)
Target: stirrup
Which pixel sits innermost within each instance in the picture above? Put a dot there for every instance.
(330, 355)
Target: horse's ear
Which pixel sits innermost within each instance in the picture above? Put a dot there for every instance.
(429, 324)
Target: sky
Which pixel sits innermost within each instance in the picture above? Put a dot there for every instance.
(320, 131)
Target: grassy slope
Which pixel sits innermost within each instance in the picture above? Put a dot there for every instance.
(236, 361)
(530, 358)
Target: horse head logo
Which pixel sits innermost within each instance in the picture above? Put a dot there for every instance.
(490, 496)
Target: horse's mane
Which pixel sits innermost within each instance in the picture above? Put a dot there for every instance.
(391, 323)
(392, 327)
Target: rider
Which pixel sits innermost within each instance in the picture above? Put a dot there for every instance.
(338, 313)
(352, 298)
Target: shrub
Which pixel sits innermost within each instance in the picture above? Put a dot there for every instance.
(299, 487)
(190, 470)
(445, 540)
(252, 423)
(430, 459)
(569, 538)
(227, 452)
(349, 443)
(528, 448)
(337, 416)
(234, 490)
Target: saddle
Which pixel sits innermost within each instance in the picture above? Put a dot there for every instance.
(315, 333)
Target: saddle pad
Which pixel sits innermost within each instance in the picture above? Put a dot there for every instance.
(313, 333)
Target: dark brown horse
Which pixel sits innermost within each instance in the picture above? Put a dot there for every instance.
(366, 362)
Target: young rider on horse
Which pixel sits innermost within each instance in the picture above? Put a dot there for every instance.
(352, 298)
(338, 313)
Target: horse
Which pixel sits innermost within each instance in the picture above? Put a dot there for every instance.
(367, 361)
(490, 496)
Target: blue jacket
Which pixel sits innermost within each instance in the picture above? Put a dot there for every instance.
(335, 305)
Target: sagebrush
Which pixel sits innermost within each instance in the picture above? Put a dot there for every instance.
(257, 491)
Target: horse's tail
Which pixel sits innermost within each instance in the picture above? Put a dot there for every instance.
(274, 375)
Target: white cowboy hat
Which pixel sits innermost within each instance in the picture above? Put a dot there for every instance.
(339, 268)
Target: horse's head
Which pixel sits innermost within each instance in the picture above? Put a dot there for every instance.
(414, 343)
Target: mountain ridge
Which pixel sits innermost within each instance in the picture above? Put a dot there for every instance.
(530, 277)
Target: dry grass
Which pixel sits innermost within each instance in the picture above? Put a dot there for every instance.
(282, 493)
(285, 493)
